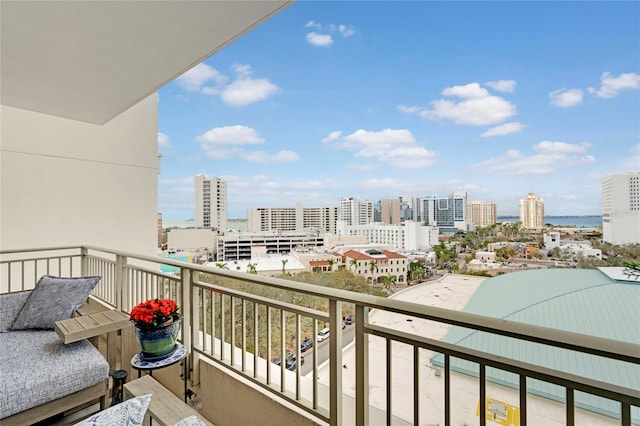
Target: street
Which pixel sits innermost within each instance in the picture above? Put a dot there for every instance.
(323, 349)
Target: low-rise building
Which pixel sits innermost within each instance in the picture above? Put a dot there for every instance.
(405, 236)
(245, 245)
(486, 256)
(374, 264)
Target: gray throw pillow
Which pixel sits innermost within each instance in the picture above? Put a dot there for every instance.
(129, 413)
(53, 299)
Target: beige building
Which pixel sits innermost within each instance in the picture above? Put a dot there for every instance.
(482, 213)
(390, 211)
(532, 212)
(374, 264)
(296, 218)
(621, 209)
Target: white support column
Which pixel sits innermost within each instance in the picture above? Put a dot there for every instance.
(335, 362)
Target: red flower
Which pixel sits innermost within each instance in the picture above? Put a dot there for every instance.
(153, 312)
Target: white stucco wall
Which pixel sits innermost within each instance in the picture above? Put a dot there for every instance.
(65, 182)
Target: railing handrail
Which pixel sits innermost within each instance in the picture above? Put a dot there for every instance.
(190, 290)
(615, 349)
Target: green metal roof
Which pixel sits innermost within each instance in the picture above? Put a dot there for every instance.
(585, 301)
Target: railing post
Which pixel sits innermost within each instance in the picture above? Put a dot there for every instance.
(187, 312)
(335, 362)
(362, 366)
(195, 321)
(84, 259)
(121, 285)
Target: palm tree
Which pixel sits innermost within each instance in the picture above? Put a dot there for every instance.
(388, 280)
(373, 266)
(251, 268)
(331, 261)
(354, 263)
(284, 262)
(222, 265)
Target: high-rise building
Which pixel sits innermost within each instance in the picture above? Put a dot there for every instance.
(390, 211)
(210, 203)
(355, 212)
(449, 214)
(621, 209)
(296, 218)
(482, 213)
(160, 229)
(532, 212)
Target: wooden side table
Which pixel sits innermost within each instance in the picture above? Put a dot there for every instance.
(94, 325)
(88, 326)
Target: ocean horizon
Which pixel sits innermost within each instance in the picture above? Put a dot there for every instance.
(578, 221)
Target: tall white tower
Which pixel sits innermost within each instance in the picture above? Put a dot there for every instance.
(355, 212)
(210, 203)
(532, 212)
(621, 209)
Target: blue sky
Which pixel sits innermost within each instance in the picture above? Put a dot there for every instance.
(382, 99)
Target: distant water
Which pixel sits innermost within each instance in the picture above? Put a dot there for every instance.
(239, 224)
(568, 221)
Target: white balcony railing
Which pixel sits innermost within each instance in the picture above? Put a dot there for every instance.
(228, 316)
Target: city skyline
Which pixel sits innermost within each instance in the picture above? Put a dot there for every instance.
(325, 101)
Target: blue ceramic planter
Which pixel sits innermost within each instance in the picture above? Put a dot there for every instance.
(160, 340)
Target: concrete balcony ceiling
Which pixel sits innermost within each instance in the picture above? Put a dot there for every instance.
(90, 61)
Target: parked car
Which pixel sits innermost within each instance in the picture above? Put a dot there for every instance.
(290, 363)
(323, 335)
(348, 320)
(306, 344)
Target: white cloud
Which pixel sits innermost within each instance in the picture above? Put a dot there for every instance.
(319, 39)
(230, 135)
(409, 109)
(397, 147)
(610, 86)
(503, 129)
(477, 107)
(566, 98)
(312, 24)
(346, 31)
(243, 90)
(195, 79)
(332, 137)
(471, 90)
(284, 156)
(561, 147)
(242, 70)
(551, 157)
(473, 112)
(247, 91)
(507, 86)
(229, 142)
(163, 141)
(323, 34)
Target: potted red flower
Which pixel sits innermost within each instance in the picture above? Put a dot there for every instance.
(157, 323)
